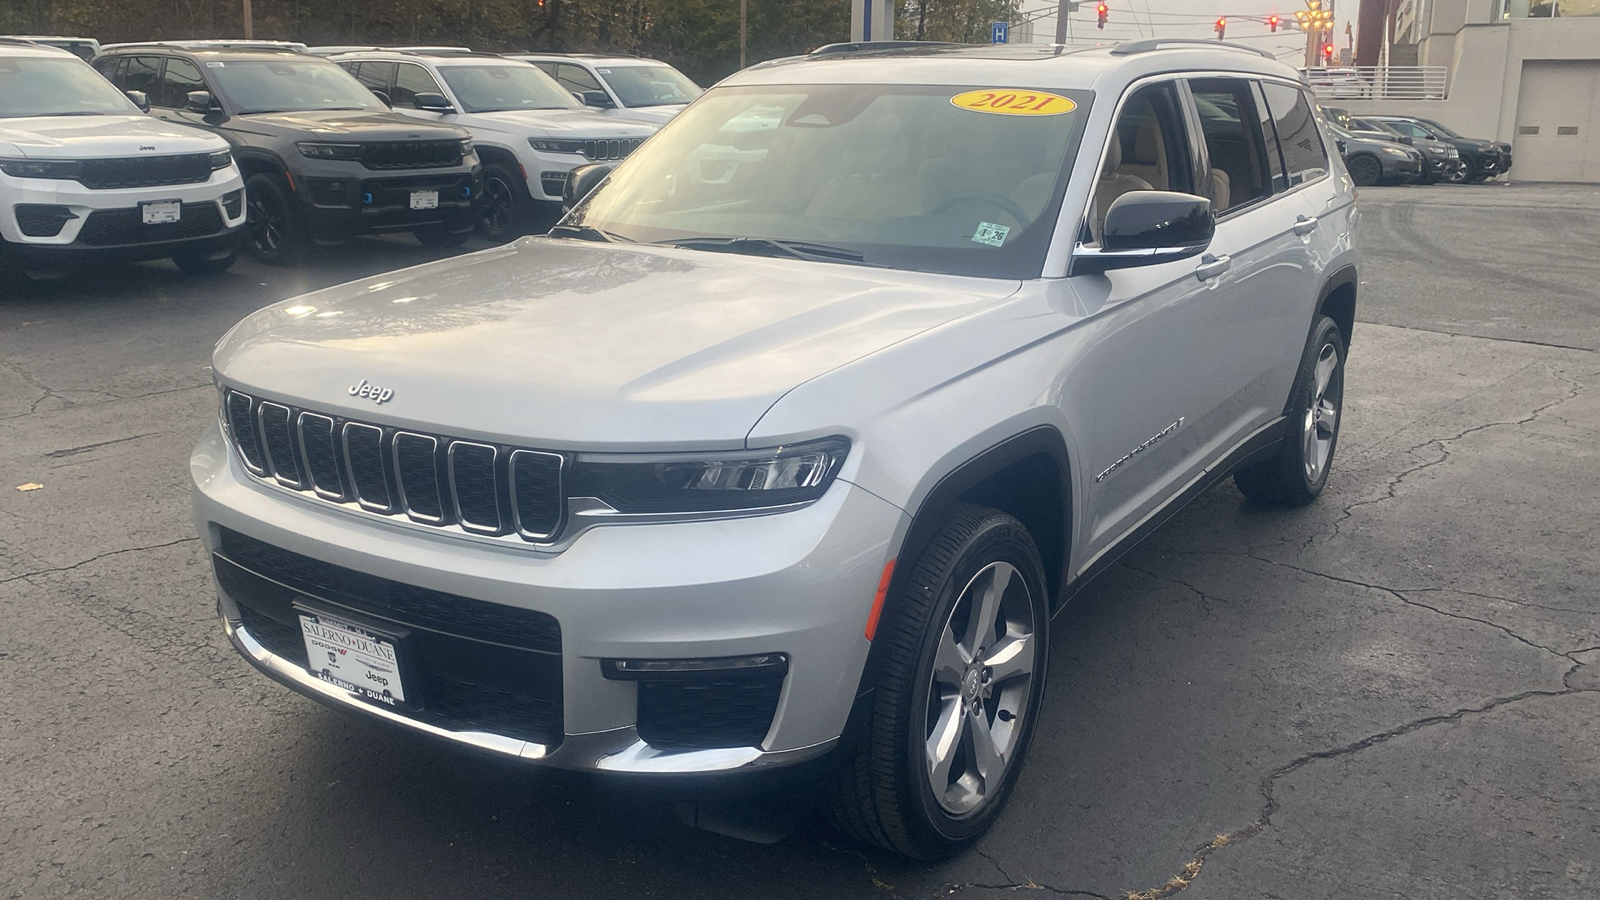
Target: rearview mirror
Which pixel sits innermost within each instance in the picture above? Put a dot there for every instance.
(140, 99)
(599, 99)
(1145, 228)
(200, 101)
(581, 181)
(430, 102)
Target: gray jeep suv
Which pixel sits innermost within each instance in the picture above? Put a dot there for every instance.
(324, 158)
(784, 447)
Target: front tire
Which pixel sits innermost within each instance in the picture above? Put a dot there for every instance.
(1459, 172)
(504, 205)
(965, 646)
(272, 234)
(1299, 471)
(1365, 170)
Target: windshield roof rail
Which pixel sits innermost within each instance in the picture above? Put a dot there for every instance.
(1128, 48)
(878, 46)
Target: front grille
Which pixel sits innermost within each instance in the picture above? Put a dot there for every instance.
(611, 149)
(435, 480)
(411, 154)
(42, 220)
(115, 227)
(145, 171)
(705, 712)
(467, 665)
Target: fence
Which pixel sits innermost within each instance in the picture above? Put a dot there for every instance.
(1378, 82)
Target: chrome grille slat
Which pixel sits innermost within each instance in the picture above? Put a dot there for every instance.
(615, 148)
(277, 440)
(320, 451)
(241, 421)
(537, 495)
(416, 472)
(474, 484)
(363, 459)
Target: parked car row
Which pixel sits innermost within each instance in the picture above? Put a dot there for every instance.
(1381, 149)
(310, 145)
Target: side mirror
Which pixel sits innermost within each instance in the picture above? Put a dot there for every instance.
(581, 181)
(598, 99)
(1146, 228)
(1405, 139)
(140, 99)
(200, 102)
(384, 96)
(429, 102)
(1342, 148)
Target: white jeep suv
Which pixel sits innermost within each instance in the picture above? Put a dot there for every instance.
(785, 445)
(626, 87)
(84, 173)
(528, 130)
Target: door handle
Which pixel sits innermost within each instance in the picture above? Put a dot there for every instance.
(1304, 225)
(1212, 266)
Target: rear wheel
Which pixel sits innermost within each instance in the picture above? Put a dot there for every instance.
(271, 233)
(504, 204)
(964, 646)
(1299, 471)
(1365, 170)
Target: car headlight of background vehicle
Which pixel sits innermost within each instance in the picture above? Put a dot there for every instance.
(221, 159)
(552, 145)
(1395, 151)
(466, 146)
(40, 168)
(709, 482)
(321, 150)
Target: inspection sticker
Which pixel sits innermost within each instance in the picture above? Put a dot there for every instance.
(1014, 102)
(991, 234)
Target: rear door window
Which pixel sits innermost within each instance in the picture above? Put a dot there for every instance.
(181, 77)
(1304, 157)
(1235, 142)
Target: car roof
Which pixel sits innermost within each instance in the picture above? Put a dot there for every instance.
(210, 54)
(22, 47)
(613, 59)
(1041, 65)
(439, 55)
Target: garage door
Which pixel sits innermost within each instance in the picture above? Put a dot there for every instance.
(1558, 122)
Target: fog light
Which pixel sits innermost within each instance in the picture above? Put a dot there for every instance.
(764, 665)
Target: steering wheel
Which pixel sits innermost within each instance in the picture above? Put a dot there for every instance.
(1004, 203)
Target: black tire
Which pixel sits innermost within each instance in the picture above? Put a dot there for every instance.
(1459, 172)
(1365, 169)
(273, 233)
(883, 791)
(1299, 471)
(503, 208)
(206, 263)
(439, 236)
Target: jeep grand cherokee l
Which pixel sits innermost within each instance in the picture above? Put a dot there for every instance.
(799, 419)
(85, 175)
(324, 158)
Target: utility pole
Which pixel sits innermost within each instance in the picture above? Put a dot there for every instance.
(249, 26)
(742, 4)
(1064, 11)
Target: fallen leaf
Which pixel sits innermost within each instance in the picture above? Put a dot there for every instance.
(30, 486)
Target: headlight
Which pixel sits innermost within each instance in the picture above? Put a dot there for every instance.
(40, 168)
(547, 145)
(1394, 151)
(466, 146)
(711, 482)
(221, 159)
(317, 150)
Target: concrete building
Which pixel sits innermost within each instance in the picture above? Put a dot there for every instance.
(1524, 71)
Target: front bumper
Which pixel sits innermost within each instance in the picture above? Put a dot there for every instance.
(1399, 168)
(798, 583)
(361, 201)
(108, 223)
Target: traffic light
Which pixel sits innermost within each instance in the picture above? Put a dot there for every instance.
(1222, 28)
(1272, 22)
(1327, 52)
(1101, 10)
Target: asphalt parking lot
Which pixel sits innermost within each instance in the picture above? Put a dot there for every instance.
(1393, 693)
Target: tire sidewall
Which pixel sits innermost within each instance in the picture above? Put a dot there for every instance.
(1005, 540)
(1327, 330)
(499, 173)
(1365, 160)
(270, 193)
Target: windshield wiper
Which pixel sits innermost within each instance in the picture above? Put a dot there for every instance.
(589, 233)
(753, 246)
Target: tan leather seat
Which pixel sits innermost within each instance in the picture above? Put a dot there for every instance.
(877, 184)
(1114, 182)
(1149, 154)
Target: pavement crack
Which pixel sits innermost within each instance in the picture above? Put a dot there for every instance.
(108, 553)
(85, 448)
(1485, 337)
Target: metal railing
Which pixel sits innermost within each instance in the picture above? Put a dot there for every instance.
(1378, 82)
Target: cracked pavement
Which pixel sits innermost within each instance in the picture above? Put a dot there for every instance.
(1392, 693)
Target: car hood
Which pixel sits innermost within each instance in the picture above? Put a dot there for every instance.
(89, 137)
(568, 344)
(568, 123)
(378, 126)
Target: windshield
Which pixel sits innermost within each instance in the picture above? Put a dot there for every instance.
(494, 88)
(1375, 125)
(892, 175)
(649, 85)
(290, 85)
(43, 86)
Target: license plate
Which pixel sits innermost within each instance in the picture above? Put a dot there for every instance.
(353, 658)
(160, 212)
(424, 199)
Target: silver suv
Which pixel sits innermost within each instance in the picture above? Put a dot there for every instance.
(784, 447)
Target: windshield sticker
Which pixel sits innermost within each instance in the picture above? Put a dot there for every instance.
(1014, 102)
(991, 234)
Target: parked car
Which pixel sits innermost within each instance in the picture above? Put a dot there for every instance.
(85, 174)
(528, 130)
(323, 157)
(82, 47)
(627, 87)
(1484, 159)
(1373, 161)
(789, 427)
(358, 48)
(1441, 160)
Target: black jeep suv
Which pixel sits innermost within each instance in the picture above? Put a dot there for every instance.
(322, 156)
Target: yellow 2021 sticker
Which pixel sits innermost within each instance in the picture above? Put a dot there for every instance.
(1014, 102)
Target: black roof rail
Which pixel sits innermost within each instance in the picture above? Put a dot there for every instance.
(1128, 48)
(877, 46)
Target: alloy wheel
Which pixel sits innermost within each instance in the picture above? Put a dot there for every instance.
(981, 682)
(265, 221)
(1364, 170)
(499, 206)
(1321, 423)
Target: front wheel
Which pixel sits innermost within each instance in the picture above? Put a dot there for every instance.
(1458, 173)
(964, 644)
(1365, 171)
(1299, 471)
(503, 207)
(271, 233)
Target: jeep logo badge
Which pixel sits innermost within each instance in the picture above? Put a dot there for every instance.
(371, 392)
